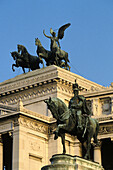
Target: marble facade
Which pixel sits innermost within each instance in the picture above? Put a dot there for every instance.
(26, 122)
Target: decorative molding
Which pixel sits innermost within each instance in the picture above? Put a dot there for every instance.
(106, 105)
(45, 76)
(26, 81)
(38, 92)
(105, 129)
(34, 125)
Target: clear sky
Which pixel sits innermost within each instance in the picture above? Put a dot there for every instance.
(88, 41)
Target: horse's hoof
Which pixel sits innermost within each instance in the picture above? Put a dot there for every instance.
(64, 152)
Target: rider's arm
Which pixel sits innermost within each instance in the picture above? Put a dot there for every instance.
(46, 35)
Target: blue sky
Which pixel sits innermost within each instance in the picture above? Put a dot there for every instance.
(88, 41)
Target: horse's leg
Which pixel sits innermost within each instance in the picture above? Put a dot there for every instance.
(87, 155)
(13, 67)
(63, 142)
(23, 69)
(60, 126)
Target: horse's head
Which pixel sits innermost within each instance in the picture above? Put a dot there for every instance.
(52, 107)
(37, 41)
(20, 48)
(14, 54)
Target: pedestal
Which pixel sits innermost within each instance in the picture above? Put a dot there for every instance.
(97, 154)
(68, 162)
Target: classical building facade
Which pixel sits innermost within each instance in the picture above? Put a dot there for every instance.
(26, 139)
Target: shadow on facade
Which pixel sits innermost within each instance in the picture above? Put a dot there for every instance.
(7, 151)
(107, 154)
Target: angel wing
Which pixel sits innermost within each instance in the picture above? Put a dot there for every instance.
(61, 30)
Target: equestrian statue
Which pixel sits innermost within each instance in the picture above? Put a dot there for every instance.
(75, 120)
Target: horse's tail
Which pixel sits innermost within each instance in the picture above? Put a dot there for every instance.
(96, 132)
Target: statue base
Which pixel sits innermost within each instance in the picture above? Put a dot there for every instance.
(68, 162)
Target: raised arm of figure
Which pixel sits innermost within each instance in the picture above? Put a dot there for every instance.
(46, 35)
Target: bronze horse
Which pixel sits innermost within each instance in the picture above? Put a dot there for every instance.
(49, 56)
(66, 124)
(45, 54)
(25, 60)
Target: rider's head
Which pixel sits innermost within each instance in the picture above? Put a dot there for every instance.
(52, 32)
(75, 88)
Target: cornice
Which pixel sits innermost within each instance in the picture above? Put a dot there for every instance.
(99, 93)
(44, 76)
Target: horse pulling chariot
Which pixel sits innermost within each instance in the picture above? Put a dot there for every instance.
(55, 56)
(25, 60)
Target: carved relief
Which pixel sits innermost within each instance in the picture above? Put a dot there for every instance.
(106, 106)
(37, 126)
(106, 129)
(35, 146)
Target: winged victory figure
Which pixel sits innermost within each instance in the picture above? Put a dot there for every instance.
(55, 45)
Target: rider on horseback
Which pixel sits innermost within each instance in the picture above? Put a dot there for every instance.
(78, 107)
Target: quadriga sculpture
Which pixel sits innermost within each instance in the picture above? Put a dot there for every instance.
(25, 60)
(68, 123)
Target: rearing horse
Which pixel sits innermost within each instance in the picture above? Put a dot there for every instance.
(66, 124)
(32, 62)
(25, 60)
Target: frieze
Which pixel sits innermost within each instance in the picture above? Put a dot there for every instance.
(105, 129)
(37, 92)
(32, 125)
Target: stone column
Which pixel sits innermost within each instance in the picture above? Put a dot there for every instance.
(77, 150)
(97, 154)
(95, 106)
(16, 148)
(1, 153)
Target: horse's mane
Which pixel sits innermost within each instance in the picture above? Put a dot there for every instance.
(62, 111)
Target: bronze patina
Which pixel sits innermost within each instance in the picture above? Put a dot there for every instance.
(25, 60)
(75, 120)
(55, 56)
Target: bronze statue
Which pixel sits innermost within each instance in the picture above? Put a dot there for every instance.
(49, 56)
(78, 106)
(67, 121)
(45, 54)
(55, 48)
(25, 60)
